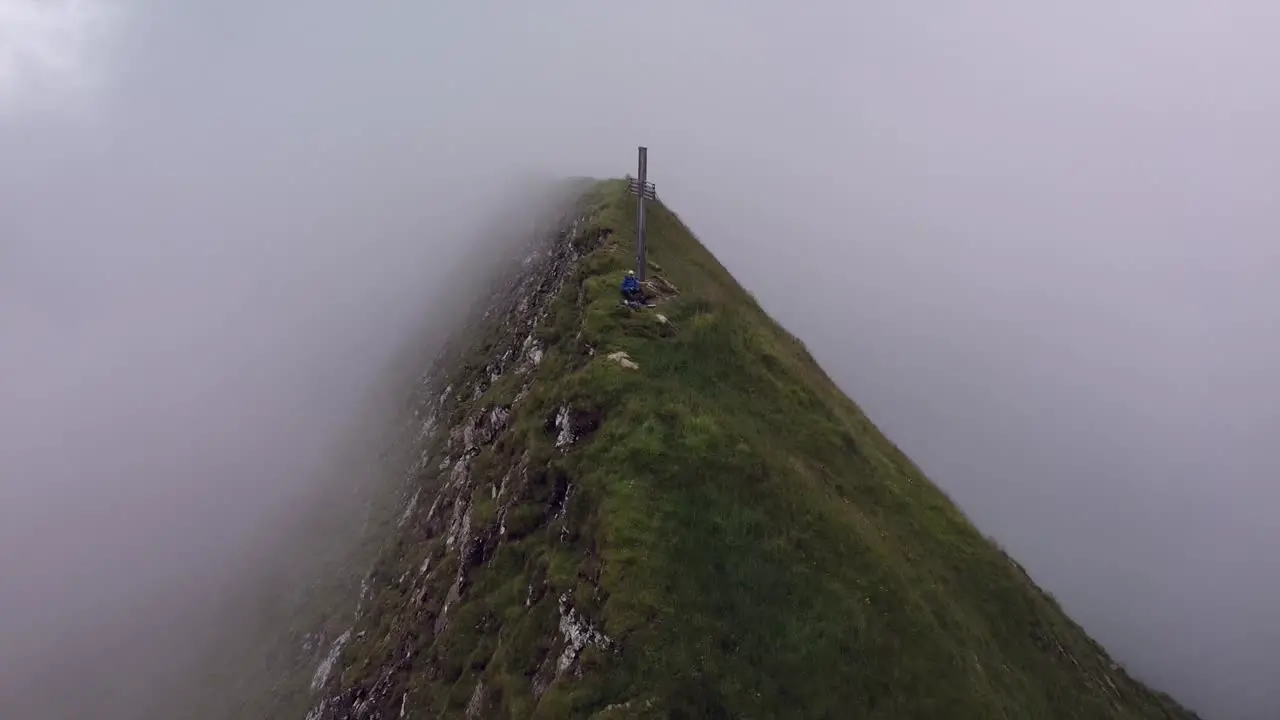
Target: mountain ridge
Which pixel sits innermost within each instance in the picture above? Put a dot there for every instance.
(674, 512)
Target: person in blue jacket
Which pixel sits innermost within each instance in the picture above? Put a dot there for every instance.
(631, 287)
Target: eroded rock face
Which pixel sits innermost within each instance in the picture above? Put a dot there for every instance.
(326, 665)
(565, 436)
(455, 530)
(578, 634)
(475, 706)
(570, 425)
(624, 360)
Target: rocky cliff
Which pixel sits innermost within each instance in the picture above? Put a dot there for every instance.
(672, 512)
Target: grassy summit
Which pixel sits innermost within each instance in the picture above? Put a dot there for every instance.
(732, 537)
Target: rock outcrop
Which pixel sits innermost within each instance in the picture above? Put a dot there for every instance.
(409, 633)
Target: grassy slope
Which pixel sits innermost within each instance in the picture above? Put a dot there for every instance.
(767, 552)
(750, 542)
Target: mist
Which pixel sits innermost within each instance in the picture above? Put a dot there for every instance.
(1036, 244)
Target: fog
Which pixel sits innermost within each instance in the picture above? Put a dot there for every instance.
(1037, 244)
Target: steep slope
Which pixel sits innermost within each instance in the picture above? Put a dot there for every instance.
(700, 526)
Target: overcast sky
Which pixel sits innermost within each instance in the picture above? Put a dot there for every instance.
(1037, 242)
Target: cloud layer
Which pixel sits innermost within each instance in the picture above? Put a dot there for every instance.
(1037, 244)
(55, 44)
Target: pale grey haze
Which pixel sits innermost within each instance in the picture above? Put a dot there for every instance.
(1039, 243)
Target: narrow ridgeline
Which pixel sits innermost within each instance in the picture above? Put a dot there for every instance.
(673, 512)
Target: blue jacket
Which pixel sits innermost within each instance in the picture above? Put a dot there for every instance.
(630, 284)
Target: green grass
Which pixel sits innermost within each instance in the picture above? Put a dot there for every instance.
(767, 552)
(746, 536)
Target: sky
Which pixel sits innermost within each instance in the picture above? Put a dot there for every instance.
(1036, 243)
